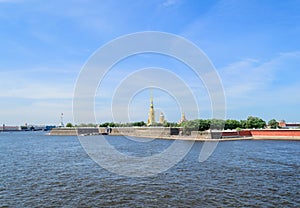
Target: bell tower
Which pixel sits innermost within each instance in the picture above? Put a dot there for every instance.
(151, 117)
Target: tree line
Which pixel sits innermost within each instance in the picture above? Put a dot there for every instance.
(219, 124)
(197, 124)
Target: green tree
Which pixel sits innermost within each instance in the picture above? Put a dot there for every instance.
(195, 125)
(203, 125)
(232, 124)
(139, 123)
(106, 124)
(91, 125)
(273, 124)
(170, 124)
(189, 126)
(217, 124)
(69, 125)
(87, 125)
(255, 122)
(243, 124)
(82, 125)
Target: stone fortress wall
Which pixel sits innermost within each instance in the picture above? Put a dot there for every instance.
(176, 133)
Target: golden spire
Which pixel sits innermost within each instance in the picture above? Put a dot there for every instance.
(151, 118)
(151, 99)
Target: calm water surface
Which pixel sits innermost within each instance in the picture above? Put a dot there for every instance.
(54, 171)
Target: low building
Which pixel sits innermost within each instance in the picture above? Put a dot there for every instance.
(9, 128)
(284, 125)
(161, 118)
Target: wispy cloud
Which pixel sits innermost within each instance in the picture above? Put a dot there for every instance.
(253, 84)
(244, 76)
(249, 75)
(29, 85)
(9, 1)
(35, 111)
(169, 3)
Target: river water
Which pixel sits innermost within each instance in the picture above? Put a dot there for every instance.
(55, 171)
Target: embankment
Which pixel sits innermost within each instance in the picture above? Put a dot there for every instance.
(177, 133)
(260, 134)
(276, 134)
(74, 131)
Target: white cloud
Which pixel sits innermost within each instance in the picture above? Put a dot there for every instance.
(36, 112)
(36, 90)
(37, 83)
(251, 75)
(39, 91)
(253, 83)
(243, 76)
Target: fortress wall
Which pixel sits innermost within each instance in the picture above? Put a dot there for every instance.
(73, 131)
(242, 133)
(266, 133)
(245, 133)
(145, 131)
(276, 134)
(122, 131)
(206, 134)
(230, 134)
(201, 134)
(87, 130)
(167, 132)
(63, 132)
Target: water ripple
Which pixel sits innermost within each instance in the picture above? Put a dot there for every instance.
(44, 171)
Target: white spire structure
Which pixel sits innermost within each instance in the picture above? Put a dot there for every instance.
(61, 124)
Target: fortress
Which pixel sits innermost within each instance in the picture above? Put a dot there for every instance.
(154, 131)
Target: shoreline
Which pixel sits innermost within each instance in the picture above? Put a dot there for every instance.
(175, 134)
(188, 138)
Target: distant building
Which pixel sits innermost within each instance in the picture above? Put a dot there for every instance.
(293, 125)
(161, 118)
(9, 128)
(183, 118)
(284, 125)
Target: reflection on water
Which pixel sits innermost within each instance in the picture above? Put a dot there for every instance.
(38, 170)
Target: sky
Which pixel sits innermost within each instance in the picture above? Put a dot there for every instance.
(253, 45)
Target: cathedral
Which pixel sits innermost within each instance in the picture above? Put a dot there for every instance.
(151, 115)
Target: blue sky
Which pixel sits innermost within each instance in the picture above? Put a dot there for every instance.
(254, 46)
